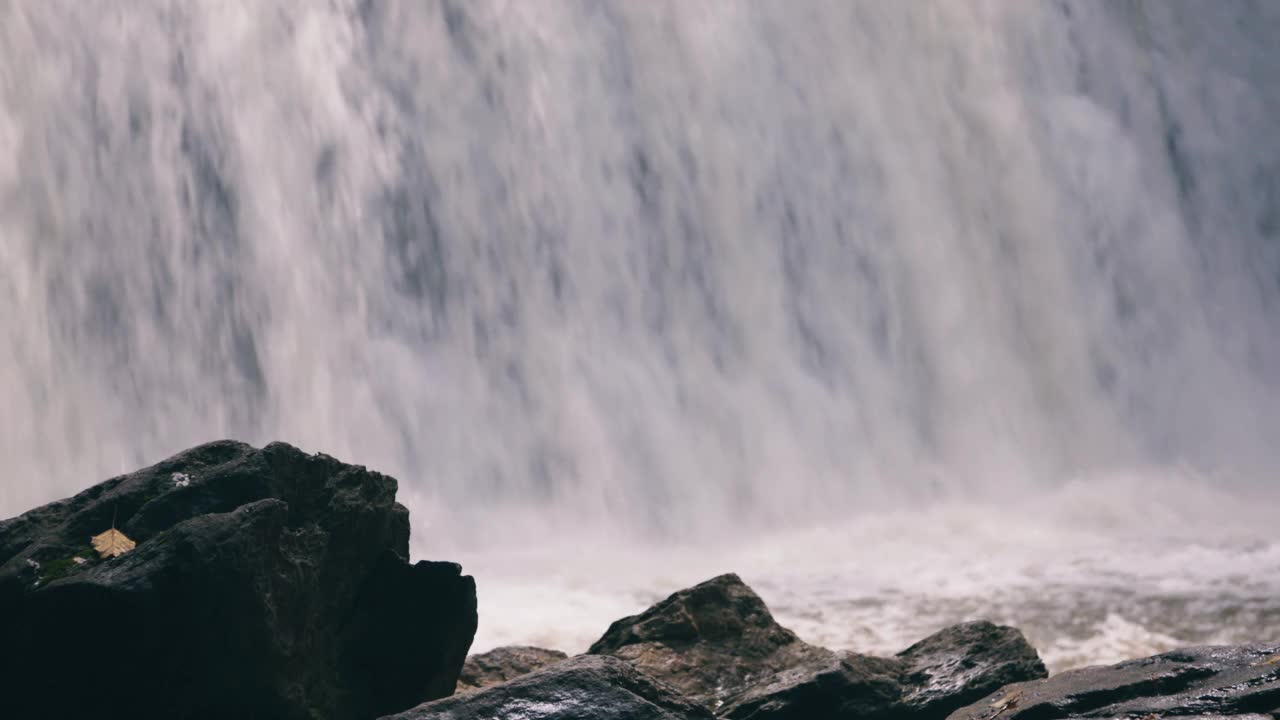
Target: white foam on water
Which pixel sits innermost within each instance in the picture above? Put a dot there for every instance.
(1113, 640)
(1097, 571)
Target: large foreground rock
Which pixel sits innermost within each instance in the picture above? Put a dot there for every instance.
(265, 584)
(711, 641)
(502, 664)
(1204, 681)
(718, 643)
(583, 688)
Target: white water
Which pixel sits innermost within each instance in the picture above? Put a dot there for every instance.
(908, 312)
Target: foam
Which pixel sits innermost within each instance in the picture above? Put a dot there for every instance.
(1087, 578)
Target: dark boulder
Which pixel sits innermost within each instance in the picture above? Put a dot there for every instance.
(583, 688)
(503, 664)
(265, 584)
(1203, 681)
(710, 641)
(962, 664)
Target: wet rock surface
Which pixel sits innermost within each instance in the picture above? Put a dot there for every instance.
(265, 583)
(503, 664)
(586, 687)
(711, 641)
(836, 685)
(927, 681)
(1201, 681)
(718, 643)
(963, 663)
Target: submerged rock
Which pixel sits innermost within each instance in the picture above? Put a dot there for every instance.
(582, 688)
(264, 583)
(710, 641)
(503, 664)
(1203, 681)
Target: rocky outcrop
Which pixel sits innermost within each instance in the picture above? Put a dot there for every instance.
(595, 687)
(718, 643)
(1204, 681)
(502, 664)
(711, 641)
(927, 681)
(265, 584)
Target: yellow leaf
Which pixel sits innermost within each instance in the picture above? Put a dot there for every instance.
(112, 543)
(1006, 702)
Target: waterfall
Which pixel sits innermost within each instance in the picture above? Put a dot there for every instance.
(646, 271)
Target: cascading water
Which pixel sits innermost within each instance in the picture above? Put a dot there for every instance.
(909, 312)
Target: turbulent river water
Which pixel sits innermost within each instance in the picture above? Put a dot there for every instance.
(909, 312)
